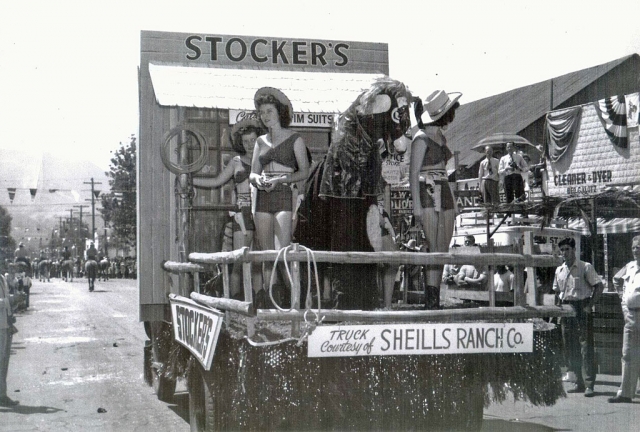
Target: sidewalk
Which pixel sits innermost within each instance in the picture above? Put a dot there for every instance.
(572, 413)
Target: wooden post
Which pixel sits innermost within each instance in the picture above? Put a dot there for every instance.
(490, 273)
(519, 297)
(226, 289)
(532, 287)
(295, 291)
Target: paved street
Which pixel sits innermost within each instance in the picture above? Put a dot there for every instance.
(77, 352)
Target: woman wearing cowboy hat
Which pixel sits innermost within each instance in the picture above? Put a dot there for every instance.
(243, 138)
(433, 202)
(280, 158)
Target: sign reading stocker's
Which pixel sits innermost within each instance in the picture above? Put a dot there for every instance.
(196, 328)
(261, 50)
(416, 339)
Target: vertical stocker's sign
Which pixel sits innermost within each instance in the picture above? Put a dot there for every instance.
(196, 328)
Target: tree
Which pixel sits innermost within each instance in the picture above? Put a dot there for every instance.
(7, 243)
(119, 205)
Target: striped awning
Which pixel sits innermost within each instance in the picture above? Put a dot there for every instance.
(316, 92)
(608, 226)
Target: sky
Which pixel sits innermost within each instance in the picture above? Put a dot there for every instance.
(68, 69)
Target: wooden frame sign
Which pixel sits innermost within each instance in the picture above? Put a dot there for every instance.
(196, 328)
(420, 339)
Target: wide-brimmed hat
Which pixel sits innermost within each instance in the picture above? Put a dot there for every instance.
(272, 91)
(411, 245)
(437, 104)
(251, 122)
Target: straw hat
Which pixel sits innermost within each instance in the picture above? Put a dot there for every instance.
(251, 122)
(277, 94)
(437, 104)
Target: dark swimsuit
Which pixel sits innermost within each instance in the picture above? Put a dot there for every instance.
(281, 197)
(243, 200)
(435, 154)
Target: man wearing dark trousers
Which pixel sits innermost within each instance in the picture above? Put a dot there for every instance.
(6, 335)
(511, 167)
(578, 285)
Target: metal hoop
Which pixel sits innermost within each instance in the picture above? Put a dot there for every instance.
(200, 142)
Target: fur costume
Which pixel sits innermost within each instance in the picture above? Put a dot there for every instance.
(341, 192)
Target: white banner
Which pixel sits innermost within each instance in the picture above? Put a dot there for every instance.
(420, 339)
(299, 119)
(196, 328)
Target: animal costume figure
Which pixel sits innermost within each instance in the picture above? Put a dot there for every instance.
(341, 195)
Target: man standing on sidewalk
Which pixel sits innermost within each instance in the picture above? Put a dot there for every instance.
(579, 286)
(6, 334)
(629, 279)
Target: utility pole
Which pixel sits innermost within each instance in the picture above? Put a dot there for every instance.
(94, 195)
(80, 207)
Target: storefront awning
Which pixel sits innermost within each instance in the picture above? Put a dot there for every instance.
(234, 88)
(608, 226)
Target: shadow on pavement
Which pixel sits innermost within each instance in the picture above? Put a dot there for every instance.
(181, 405)
(26, 409)
(496, 425)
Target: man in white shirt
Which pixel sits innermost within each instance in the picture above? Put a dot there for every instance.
(578, 285)
(511, 167)
(489, 177)
(629, 280)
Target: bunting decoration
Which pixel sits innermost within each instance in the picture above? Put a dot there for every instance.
(12, 194)
(33, 193)
(562, 131)
(612, 112)
(633, 109)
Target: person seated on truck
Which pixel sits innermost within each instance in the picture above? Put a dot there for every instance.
(243, 138)
(449, 273)
(469, 276)
(280, 159)
(503, 279)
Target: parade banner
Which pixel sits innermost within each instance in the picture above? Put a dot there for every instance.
(420, 339)
(196, 328)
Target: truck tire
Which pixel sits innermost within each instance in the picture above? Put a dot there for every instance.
(163, 387)
(201, 402)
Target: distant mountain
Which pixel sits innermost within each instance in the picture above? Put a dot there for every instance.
(45, 187)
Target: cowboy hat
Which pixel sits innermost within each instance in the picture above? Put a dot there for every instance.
(246, 123)
(277, 94)
(437, 104)
(411, 245)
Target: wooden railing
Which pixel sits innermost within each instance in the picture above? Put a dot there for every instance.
(203, 262)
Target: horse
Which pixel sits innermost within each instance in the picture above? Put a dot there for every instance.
(91, 270)
(339, 211)
(103, 269)
(66, 270)
(43, 270)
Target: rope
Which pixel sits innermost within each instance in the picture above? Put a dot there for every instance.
(309, 326)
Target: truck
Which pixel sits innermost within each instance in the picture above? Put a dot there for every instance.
(306, 366)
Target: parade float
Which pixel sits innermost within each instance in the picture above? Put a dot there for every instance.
(299, 364)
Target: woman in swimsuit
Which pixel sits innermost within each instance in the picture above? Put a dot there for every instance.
(433, 202)
(244, 135)
(280, 158)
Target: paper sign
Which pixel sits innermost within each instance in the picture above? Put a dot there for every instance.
(420, 339)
